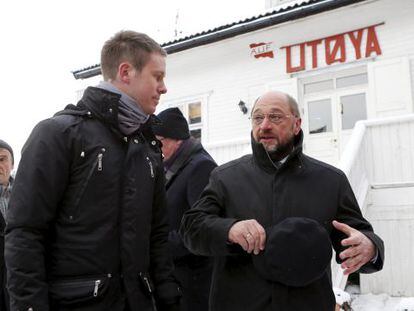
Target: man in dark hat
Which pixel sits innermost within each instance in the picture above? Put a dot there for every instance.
(6, 184)
(187, 168)
(270, 219)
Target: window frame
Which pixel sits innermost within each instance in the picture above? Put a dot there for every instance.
(183, 104)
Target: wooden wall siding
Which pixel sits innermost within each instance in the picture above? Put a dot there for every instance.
(412, 77)
(380, 155)
(225, 151)
(391, 212)
(392, 152)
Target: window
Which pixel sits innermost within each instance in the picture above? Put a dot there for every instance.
(319, 86)
(352, 80)
(353, 109)
(194, 119)
(192, 111)
(196, 134)
(336, 100)
(320, 116)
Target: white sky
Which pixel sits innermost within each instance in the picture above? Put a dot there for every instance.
(42, 41)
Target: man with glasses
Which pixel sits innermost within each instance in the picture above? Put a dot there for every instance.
(270, 219)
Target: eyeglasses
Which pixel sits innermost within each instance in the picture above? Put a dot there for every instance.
(275, 118)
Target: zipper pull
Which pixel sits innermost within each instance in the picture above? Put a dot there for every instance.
(151, 168)
(148, 284)
(96, 288)
(100, 156)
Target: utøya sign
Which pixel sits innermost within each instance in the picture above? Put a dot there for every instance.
(334, 49)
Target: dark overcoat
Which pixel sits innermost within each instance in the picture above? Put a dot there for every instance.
(252, 187)
(4, 301)
(189, 174)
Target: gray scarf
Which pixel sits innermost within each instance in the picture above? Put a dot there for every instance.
(130, 114)
(5, 192)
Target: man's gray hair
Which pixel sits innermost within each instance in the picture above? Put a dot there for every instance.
(293, 104)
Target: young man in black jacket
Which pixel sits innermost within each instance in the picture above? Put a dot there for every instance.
(187, 167)
(87, 228)
(270, 218)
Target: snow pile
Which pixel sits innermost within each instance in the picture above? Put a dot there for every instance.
(406, 304)
(341, 296)
(382, 302)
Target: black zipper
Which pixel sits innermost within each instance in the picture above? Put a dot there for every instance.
(95, 283)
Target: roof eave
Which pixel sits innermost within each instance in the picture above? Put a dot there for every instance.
(261, 23)
(238, 29)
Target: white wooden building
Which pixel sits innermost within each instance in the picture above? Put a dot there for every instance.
(345, 61)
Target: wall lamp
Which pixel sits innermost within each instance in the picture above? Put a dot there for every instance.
(242, 106)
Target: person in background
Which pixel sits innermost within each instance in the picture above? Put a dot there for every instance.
(187, 167)
(271, 219)
(6, 185)
(87, 225)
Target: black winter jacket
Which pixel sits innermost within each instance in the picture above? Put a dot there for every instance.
(88, 221)
(187, 177)
(253, 188)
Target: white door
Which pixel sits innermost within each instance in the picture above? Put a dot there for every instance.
(321, 128)
(332, 105)
(352, 106)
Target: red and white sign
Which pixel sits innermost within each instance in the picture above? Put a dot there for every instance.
(335, 48)
(261, 50)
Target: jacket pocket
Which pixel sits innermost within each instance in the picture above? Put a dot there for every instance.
(97, 166)
(74, 291)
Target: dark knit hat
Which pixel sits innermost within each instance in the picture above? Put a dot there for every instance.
(298, 251)
(173, 125)
(6, 146)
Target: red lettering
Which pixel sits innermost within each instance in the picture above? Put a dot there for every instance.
(261, 50)
(335, 48)
(314, 45)
(372, 43)
(289, 68)
(339, 45)
(254, 45)
(356, 42)
(265, 54)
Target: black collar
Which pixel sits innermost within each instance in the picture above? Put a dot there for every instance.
(262, 157)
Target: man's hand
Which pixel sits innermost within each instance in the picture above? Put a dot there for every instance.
(249, 234)
(360, 251)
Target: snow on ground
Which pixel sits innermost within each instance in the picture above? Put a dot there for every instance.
(382, 302)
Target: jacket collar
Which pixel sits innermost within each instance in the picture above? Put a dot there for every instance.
(102, 104)
(263, 160)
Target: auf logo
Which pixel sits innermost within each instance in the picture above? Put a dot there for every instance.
(261, 50)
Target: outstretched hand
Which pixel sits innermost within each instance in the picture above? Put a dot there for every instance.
(249, 234)
(360, 248)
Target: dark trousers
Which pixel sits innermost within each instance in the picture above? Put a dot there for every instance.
(194, 277)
